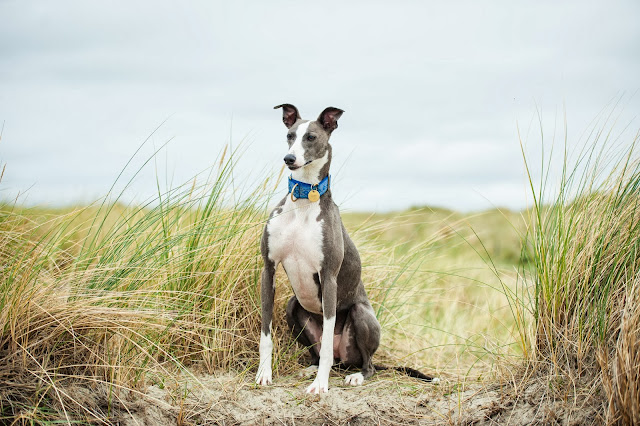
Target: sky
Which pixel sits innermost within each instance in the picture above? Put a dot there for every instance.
(435, 94)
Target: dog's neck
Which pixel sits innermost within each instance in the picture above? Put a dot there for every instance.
(315, 171)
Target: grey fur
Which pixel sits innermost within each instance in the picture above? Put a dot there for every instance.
(267, 287)
(340, 288)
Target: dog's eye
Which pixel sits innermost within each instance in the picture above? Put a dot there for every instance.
(311, 137)
(290, 136)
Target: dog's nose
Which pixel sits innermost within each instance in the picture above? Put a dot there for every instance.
(289, 159)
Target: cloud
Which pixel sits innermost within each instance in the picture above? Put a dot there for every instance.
(433, 92)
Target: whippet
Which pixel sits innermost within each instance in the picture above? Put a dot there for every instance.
(330, 312)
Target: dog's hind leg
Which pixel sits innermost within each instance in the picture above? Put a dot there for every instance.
(305, 327)
(361, 334)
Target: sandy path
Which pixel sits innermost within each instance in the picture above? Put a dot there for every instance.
(389, 398)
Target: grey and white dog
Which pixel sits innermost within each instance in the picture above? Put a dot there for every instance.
(330, 312)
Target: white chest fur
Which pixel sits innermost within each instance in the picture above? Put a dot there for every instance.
(295, 240)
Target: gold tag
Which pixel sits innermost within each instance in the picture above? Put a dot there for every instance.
(314, 195)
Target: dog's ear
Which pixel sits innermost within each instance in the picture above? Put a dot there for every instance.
(290, 114)
(329, 118)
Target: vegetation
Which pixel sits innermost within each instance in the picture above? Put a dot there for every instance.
(585, 245)
(114, 297)
(111, 298)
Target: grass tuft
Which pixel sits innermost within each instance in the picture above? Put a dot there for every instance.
(584, 245)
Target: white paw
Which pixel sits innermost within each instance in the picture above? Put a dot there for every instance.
(308, 372)
(355, 379)
(264, 377)
(317, 388)
(435, 380)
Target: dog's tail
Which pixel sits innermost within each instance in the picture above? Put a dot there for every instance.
(409, 372)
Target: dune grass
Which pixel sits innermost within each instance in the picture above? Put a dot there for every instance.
(584, 241)
(455, 311)
(111, 298)
(114, 297)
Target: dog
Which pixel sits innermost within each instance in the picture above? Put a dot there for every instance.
(329, 312)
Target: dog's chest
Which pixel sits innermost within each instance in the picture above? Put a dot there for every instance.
(295, 239)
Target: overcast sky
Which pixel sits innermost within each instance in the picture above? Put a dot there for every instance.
(433, 92)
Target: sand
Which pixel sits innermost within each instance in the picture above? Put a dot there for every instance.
(389, 398)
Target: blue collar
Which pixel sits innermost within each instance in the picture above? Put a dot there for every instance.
(301, 189)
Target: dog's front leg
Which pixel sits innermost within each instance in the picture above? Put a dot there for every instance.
(267, 292)
(329, 294)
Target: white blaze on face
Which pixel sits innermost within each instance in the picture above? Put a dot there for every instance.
(311, 172)
(297, 149)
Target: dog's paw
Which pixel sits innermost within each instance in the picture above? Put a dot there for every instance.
(308, 372)
(317, 387)
(264, 377)
(355, 379)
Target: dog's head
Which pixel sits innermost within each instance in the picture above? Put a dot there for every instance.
(309, 140)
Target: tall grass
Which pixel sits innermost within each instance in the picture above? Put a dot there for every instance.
(111, 298)
(584, 240)
(112, 295)
(454, 312)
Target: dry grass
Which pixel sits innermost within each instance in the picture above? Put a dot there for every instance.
(621, 364)
(585, 245)
(108, 299)
(113, 298)
(455, 310)
(117, 298)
